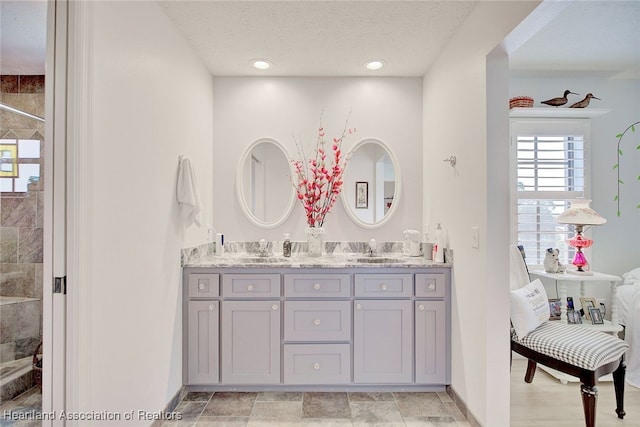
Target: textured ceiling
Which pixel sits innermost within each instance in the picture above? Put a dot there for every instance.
(318, 38)
(335, 38)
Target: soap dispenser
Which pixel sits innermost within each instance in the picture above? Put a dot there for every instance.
(286, 246)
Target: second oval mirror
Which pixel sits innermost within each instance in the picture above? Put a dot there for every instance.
(371, 183)
(263, 183)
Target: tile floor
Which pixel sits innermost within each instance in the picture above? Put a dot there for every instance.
(545, 402)
(221, 409)
(317, 409)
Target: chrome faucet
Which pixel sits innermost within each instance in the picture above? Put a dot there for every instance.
(373, 248)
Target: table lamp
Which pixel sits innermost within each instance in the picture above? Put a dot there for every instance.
(580, 214)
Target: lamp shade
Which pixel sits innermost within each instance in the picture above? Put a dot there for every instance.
(579, 213)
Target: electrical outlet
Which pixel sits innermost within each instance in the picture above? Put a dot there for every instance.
(475, 237)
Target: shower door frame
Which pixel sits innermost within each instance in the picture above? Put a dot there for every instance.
(54, 300)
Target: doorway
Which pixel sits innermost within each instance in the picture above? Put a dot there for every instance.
(21, 231)
(28, 35)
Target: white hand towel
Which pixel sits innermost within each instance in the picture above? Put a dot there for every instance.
(187, 193)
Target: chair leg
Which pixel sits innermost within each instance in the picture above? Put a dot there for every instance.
(589, 400)
(531, 371)
(618, 384)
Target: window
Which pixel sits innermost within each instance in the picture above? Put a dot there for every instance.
(551, 169)
(19, 164)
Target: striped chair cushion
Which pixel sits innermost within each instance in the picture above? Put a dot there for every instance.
(578, 346)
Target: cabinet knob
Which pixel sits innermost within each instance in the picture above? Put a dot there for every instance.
(358, 306)
(212, 307)
(201, 286)
(432, 286)
(421, 307)
(316, 286)
(384, 287)
(316, 366)
(316, 322)
(274, 307)
(250, 287)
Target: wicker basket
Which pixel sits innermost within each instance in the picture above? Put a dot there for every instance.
(521, 102)
(37, 366)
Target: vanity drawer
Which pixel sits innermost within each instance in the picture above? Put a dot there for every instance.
(251, 285)
(317, 363)
(317, 321)
(316, 286)
(204, 285)
(383, 285)
(430, 285)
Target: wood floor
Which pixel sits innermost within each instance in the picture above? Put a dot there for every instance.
(547, 402)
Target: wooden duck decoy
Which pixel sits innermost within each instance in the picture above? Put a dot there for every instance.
(556, 102)
(585, 102)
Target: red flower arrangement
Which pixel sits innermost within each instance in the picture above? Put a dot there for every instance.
(319, 181)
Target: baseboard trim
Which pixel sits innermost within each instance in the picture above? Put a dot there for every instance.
(462, 406)
(175, 400)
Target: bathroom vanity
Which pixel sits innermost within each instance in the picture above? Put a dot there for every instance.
(334, 323)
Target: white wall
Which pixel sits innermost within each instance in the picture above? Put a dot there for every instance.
(148, 100)
(246, 109)
(615, 250)
(455, 123)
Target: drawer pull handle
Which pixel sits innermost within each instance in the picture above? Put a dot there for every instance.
(358, 306)
(212, 307)
(316, 286)
(250, 287)
(421, 307)
(316, 322)
(201, 286)
(274, 307)
(316, 366)
(384, 287)
(432, 286)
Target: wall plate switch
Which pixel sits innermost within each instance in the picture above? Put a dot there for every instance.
(475, 237)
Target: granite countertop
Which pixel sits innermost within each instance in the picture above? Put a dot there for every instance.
(338, 255)
(325, 261)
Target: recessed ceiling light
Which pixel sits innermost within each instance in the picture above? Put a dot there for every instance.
(261, 64)
(374, 65)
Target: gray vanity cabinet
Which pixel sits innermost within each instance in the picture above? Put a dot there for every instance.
(250, 342)
(382, 341)
(312, 328)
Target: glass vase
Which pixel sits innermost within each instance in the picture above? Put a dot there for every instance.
(315, 239)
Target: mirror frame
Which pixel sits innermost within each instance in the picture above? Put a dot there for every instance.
(240, 185)
(398, 181)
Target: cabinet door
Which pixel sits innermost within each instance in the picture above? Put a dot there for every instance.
(202, 347)
(250, 342)
(382, 341)
(431, 345)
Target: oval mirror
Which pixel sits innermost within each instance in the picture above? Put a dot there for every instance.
(263, 183)
(371, 183)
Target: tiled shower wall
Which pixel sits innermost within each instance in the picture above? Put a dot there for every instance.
(21, 227)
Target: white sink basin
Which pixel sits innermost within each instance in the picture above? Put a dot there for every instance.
(379, 260)
(250, 259)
